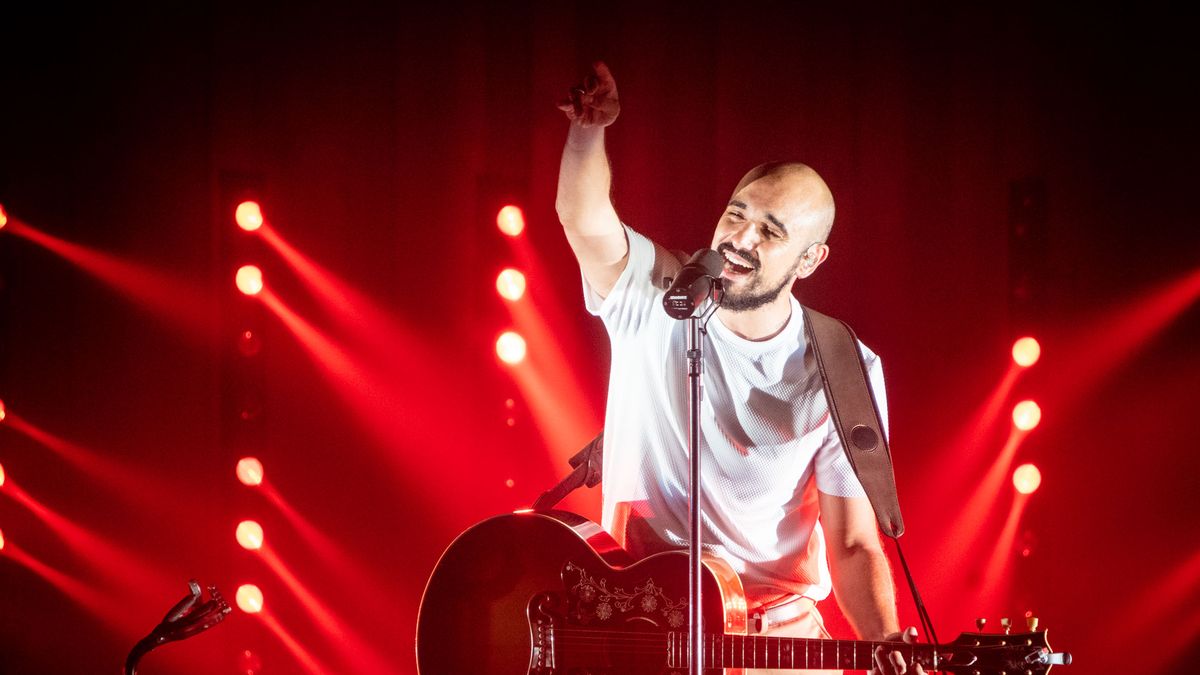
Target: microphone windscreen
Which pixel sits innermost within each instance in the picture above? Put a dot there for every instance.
(708, 260)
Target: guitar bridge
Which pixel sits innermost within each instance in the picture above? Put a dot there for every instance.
(541, 627)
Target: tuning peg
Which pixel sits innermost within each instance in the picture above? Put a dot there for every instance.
(1056, 659)
(1060, 659)
(980, 623)
(1032, 623)
(1007, 625)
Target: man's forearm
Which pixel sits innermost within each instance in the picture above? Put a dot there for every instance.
(584, 183)
(862, 581)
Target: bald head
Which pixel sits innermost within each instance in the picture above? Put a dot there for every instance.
(803, 187)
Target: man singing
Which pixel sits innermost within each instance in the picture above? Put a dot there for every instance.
(780, 501)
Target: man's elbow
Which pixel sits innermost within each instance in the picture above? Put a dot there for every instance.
(573, 213)
(859, 549)
(568, 214)
(591, 222)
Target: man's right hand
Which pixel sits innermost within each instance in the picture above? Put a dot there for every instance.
(593, 103)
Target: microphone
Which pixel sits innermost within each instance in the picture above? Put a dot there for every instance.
(695, 282)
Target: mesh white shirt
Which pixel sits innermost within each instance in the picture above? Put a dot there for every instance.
(767, 440)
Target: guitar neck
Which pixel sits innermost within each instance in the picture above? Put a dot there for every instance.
(752, 651)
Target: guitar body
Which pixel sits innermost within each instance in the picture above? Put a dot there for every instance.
(550, 593)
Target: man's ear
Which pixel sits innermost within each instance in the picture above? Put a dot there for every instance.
(812, 259)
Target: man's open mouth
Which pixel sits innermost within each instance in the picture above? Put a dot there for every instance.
(735, 264)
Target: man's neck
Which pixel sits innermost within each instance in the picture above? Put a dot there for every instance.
(760, 324)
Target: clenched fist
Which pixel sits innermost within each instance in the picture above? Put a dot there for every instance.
(593, 103)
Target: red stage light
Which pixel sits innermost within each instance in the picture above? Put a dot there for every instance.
(1026, 479)
(1, 475)
(510, 284)
(511, 220)
(249, 599)
(3, 411)
(3, 217)
(250, 535)
(1026, 352)
(249, 663)
(1026, 415)
(250, 471)
(1, 540)
(249, 216)
(510, 347)
(249, 280)
(248, 343)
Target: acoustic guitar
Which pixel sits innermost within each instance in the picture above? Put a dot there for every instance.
(551, 593)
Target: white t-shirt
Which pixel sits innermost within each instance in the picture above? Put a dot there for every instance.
(767, 440)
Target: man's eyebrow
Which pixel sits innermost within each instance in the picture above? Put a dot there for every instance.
(773, 219)
(778, 224)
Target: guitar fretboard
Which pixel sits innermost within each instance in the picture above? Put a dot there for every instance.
(752, 651)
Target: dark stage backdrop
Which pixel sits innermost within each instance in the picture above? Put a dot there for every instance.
(379, 138)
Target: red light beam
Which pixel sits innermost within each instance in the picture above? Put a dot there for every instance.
(397, 417)
(1172, 644)
(324, 350)
(996, 579)
(964, 452)
(121, 571)
(1163, 603)
(91, 600)
(330, 553)
(350, 646)
(357, 315)
(966, 530)
(559, 410)
(1106, 342)
(122, 480)
(154, 290)
(297, 650)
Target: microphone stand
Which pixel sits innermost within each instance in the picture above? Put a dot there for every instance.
(698, 281)
(695, 361)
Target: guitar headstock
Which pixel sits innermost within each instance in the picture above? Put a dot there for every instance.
(1001, 653)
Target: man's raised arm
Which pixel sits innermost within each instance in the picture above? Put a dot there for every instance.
(584, 182)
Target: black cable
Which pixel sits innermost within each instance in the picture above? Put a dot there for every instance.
(922, 612)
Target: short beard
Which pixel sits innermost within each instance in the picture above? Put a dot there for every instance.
(750, 300)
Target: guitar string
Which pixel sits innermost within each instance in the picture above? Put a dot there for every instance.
(820, 646)
(753, 646)
(709, 638)
(652, 636)
(727, 648)
(587, 641)
(731, 656)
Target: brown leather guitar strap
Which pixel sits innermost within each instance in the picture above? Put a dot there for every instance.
(855, 414)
